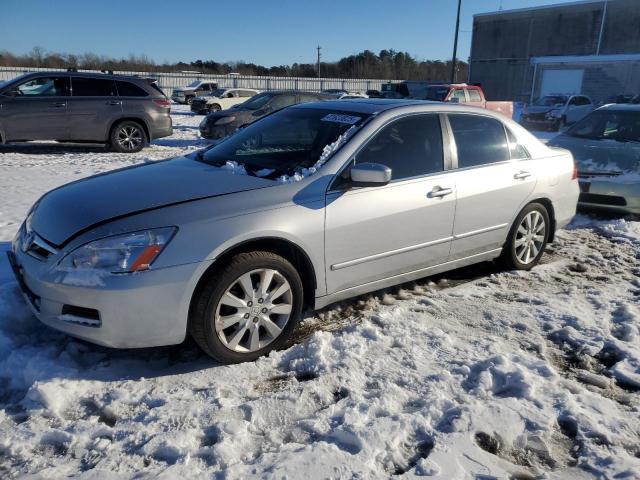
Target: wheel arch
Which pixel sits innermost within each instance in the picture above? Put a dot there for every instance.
(141, 121)
(548, 204)
(278, 245)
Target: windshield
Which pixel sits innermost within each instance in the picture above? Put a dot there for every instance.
(284, 143)
(256, 102)
(194, 84)
(218, 92)
(623, 126)
(550, 101)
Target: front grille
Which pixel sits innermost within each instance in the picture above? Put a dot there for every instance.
(34, 245)
(31, 297)
(536, 117)
(602, 199)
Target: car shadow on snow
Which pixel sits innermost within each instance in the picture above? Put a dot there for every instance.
(52, 148)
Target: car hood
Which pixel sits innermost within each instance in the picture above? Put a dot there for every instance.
(64, 212)
(598, 156)
(241, 114)
(539, 109)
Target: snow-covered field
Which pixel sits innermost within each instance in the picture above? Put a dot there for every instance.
(476, 374)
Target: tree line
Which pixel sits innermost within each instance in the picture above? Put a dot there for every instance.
(387, 64)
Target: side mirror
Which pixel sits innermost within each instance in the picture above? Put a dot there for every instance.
(370, 174)
(13, 92)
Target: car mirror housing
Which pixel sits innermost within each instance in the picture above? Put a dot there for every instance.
(370, 174)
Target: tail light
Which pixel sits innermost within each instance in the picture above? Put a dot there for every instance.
(574, 175)
(162, 102)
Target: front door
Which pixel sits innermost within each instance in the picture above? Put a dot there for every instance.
(373, 233)
(37, 110)
(493, 179)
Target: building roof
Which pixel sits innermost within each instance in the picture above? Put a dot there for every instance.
(542, 7)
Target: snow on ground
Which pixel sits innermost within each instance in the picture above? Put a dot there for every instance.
(478, 373)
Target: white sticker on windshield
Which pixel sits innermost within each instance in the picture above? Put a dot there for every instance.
(346, 119)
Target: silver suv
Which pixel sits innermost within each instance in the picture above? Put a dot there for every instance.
(122, 111)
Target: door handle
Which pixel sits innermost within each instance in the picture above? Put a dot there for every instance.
(59, 104)
(113, 102)
(521, 175)
(439, 192)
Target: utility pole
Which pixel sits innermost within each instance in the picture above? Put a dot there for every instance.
(455, 45)
(318, 48)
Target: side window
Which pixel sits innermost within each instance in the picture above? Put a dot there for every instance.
(128, 89)
(574, 101)
(45, 87)
(281, 101)
(474, 95)
(479, 140)
(246, 93)
(205, 86)
(92, 87)
(410, 146)
(518, 152)
(584, 101)
(459, 94)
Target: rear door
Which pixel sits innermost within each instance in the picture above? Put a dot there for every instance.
(135, 100)
(93, 105)
(374, 233)
(493, 179)
(37, 110)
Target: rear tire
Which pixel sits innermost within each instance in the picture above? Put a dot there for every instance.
(235, 318)
(128, 137)
(527, 238)
(215, 108)
(189, 100)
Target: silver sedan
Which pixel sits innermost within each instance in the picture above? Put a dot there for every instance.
(310, 205)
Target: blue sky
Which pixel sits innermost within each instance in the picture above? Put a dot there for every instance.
(268, 33)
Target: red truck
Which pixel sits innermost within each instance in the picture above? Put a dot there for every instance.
(446, 92)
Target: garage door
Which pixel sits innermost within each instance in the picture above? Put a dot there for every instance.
(561, 81)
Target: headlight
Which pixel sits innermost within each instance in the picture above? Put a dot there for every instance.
(132, 252)
(225, 120)
(553, 114)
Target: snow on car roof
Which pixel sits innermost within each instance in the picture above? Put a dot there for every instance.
(621, 106)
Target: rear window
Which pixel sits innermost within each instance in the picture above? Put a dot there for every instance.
(92, 87)
(155, 86)
(128, 89)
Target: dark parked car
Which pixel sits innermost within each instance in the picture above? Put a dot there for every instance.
(124, 112)
(220, 124)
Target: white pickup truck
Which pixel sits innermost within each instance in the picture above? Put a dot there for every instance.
(221, 99)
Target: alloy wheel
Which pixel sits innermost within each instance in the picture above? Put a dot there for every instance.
(130, 137)
(530, 237)
(254, 310)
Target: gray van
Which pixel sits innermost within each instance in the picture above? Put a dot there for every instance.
(124, 112)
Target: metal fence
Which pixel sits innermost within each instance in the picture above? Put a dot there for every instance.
(169, 81)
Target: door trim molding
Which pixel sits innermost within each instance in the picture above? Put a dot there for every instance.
(377, 256)
(478, 232)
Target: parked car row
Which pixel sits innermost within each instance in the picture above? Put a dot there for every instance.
(221, 99)
(125, 112)
(219, 124)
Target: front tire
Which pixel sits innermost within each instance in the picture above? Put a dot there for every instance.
(249, 307)
(214, 108)
(527, 239)
(128, 137)
(189, 99)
